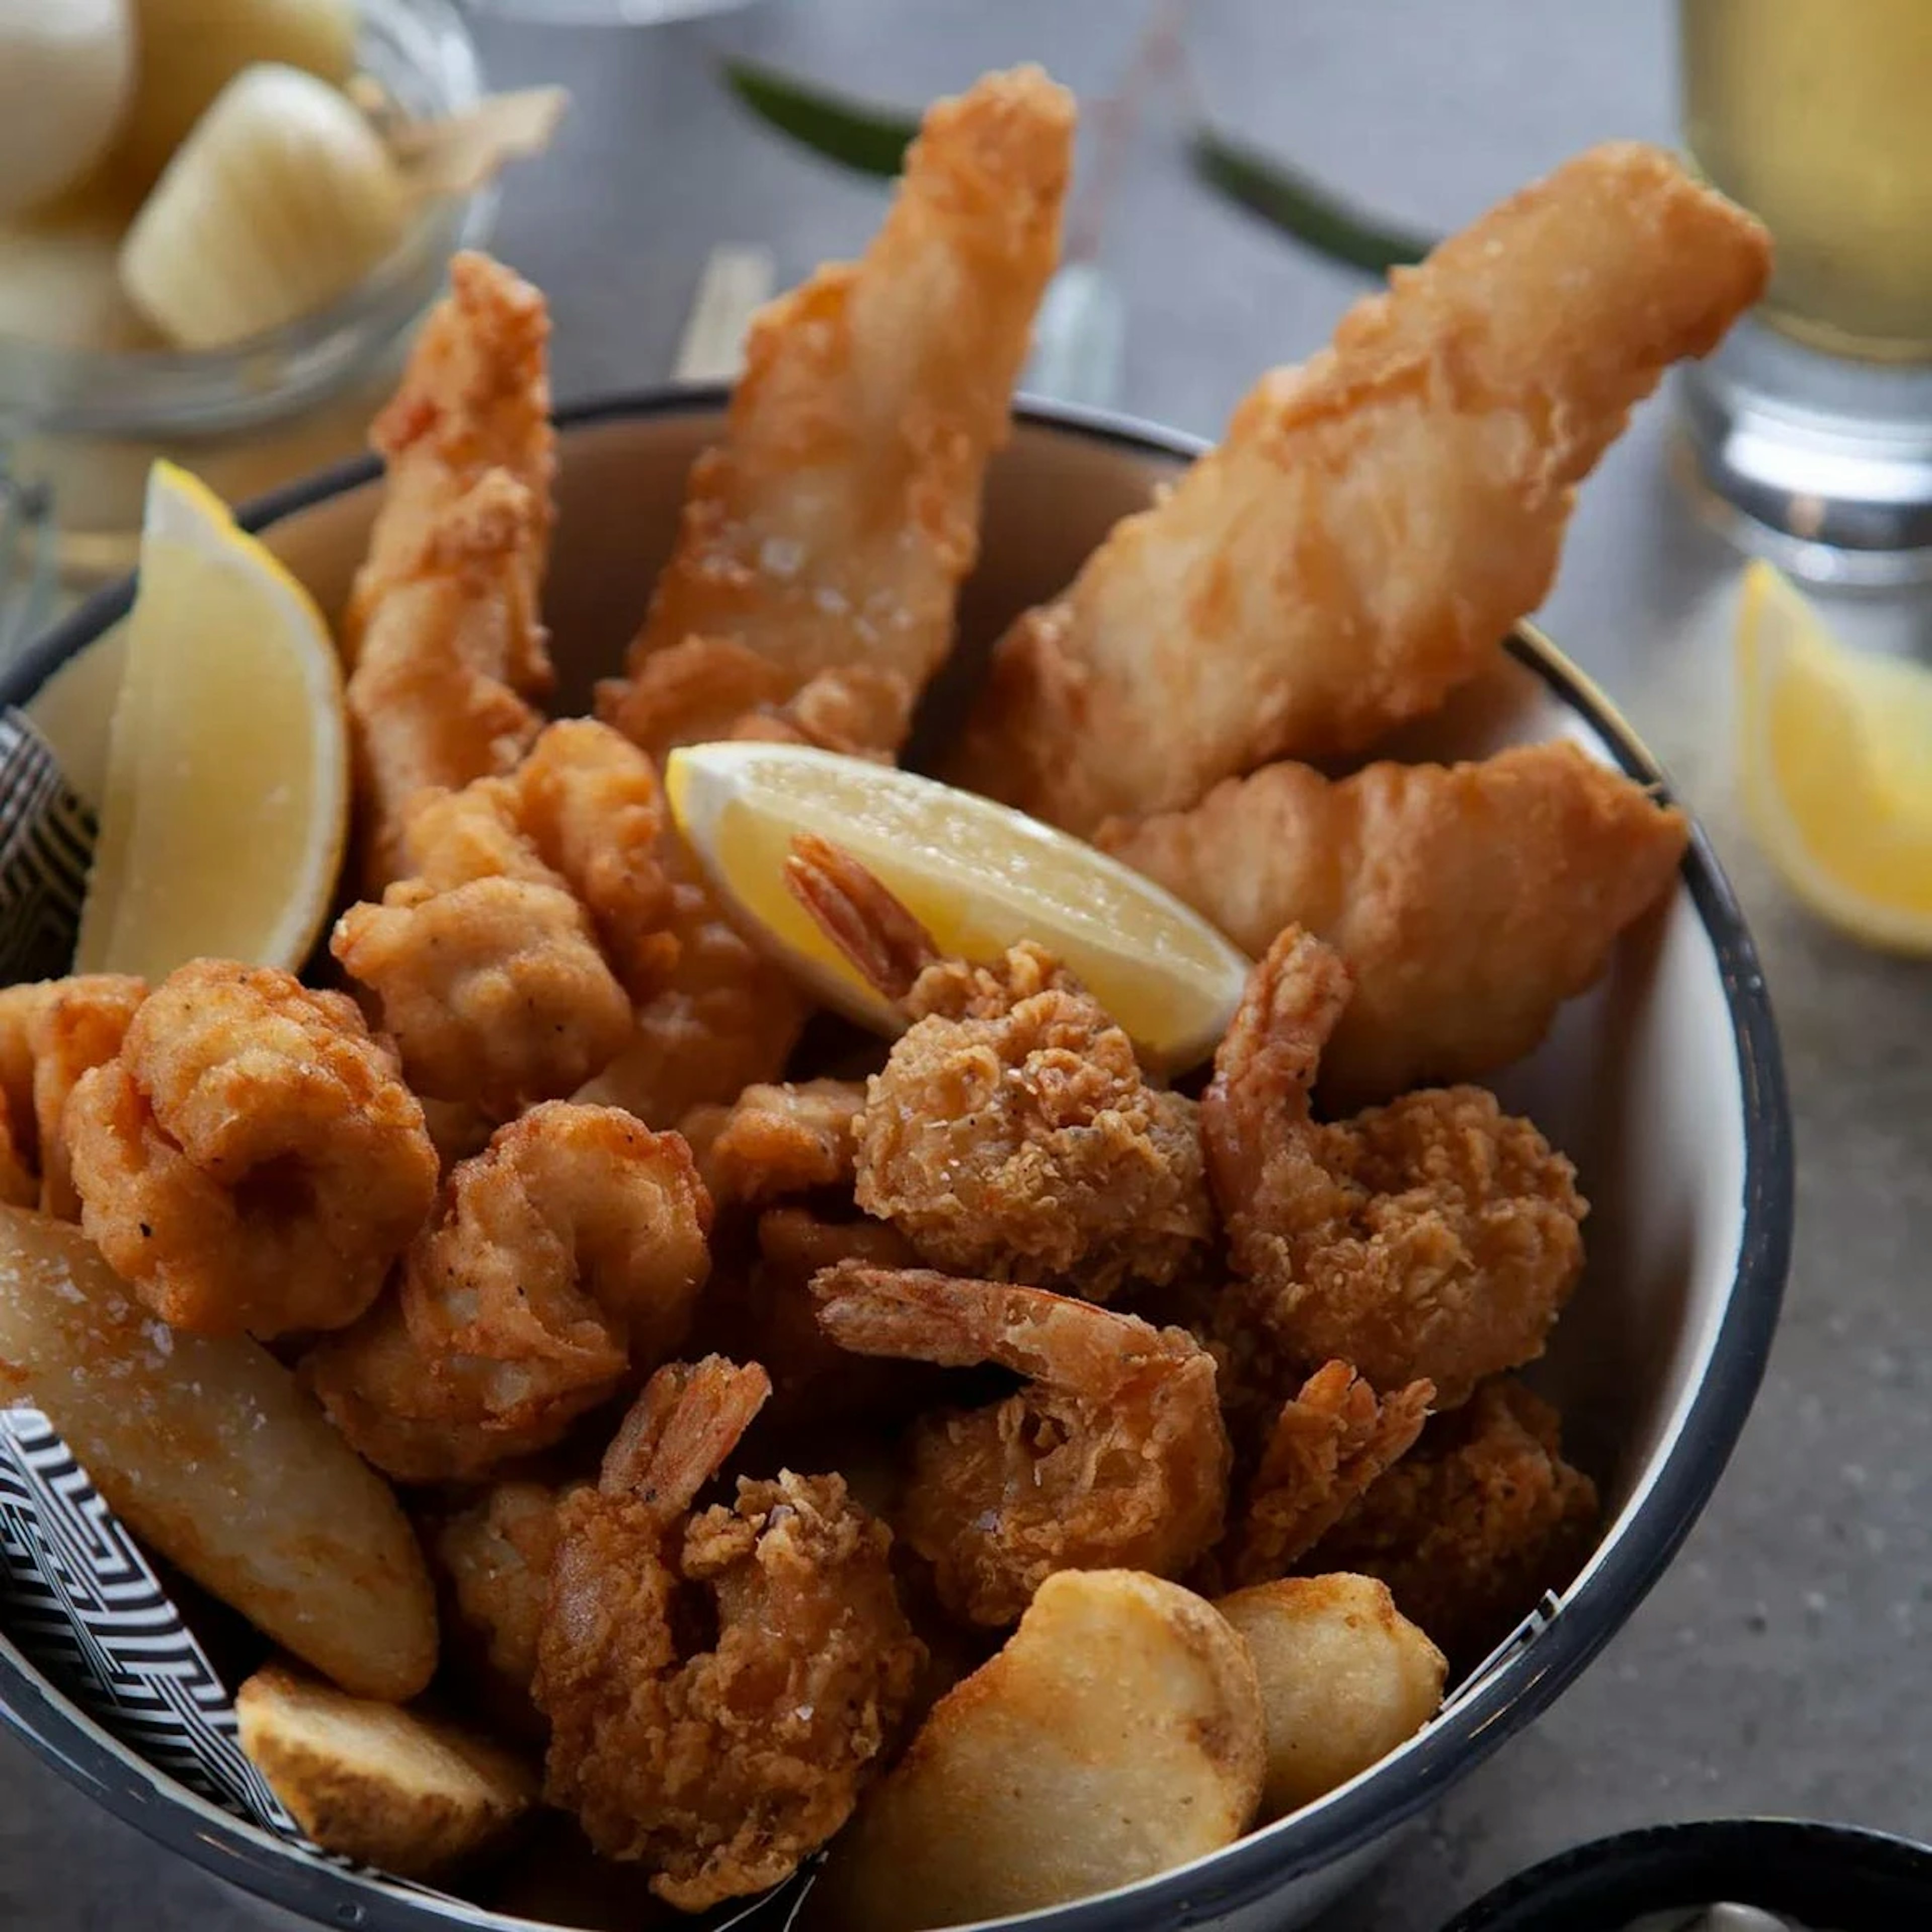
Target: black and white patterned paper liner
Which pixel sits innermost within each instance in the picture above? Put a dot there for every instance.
(88, 1611)
(46, 844)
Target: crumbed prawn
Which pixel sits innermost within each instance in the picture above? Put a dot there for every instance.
(251, 1160)
(565, 1259)
(719, 1762)
(1113, 1454)
(1012, 1134)
(1436, 1238)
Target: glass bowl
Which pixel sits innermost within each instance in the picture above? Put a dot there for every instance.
(78, 426)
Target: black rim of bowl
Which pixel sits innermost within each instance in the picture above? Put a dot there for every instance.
(1343, 1824)
(1839, 1876)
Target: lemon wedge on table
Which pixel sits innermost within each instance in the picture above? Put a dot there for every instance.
(978, 876)
(1835, 752)
(226, 802)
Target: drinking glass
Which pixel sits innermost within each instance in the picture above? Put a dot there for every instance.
(1812, 425)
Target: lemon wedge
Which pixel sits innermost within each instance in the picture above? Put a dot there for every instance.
(1835, 752)
(978, 876)
(226, 802)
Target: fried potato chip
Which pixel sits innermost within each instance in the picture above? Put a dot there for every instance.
(1118, 1733)
(1344, 1678)
(205, 1448)
(376, 1782)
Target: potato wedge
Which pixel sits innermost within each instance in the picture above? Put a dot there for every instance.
(404, 1793)
(206, 1448)
(1118, 1733)
(1344, 1678)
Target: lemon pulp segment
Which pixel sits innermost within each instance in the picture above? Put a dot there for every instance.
(978, 876)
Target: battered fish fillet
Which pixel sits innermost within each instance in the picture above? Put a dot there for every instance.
(443, 634)
(720, 1684)
(1436, 1239)
(1470, 901)
(812, 591)
(565, 1259)
(1376, 519)
(776, 1141)
(1111, 1454)
(1012, 1134)
(251, 1160)
(1471, 1527)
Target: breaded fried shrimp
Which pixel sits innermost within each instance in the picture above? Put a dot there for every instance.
(1111, 1455)
(1436, 1238)
(251, 1160)
(565, 1258)
(718, 1761)
(1012, 1134)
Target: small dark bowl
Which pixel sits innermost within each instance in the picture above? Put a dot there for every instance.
(1830, 1878)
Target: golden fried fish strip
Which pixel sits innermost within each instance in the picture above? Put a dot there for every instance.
(443, 633)
(1434, 1238)
(720, 1763)
(566, 1257)
(829, 531)
(1470, 901)
(1012, 1134)
(251, 1159)
(1113, 1454)
(1375, 521)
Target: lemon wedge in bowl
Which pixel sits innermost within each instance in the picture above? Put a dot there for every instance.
(1835, 754)
(978, 876)
(226, 804)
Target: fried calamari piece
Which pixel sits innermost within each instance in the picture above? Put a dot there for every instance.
(1344, 1677)
(1436, 1238)
(536, 909)
(1471, 1528)
(1375, 519)
(1111, 1455)
(51, 1031)
(1324, 1447)
(725, 1018)
(720, 1758)
(443, 634)
(251, 1160)
(1469, 900)
(1013, 1134)
(565, 1259)
(773, 1140)
(812, 591)
(1119, 1732)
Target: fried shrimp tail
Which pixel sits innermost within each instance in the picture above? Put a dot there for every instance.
(811, 594)
(1469, 900)
(249, 1160)
(1434, 1239)
(1113, 1454)
(443, 634)
(1012, 1133)
(1375, 519)
(565, 1259)
(721, 1757)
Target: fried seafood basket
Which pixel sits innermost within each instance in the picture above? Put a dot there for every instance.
(413, 1333)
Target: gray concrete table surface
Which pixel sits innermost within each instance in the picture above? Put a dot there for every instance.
(1771, 1670)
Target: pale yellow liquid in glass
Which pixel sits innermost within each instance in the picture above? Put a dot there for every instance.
(1817, 115)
